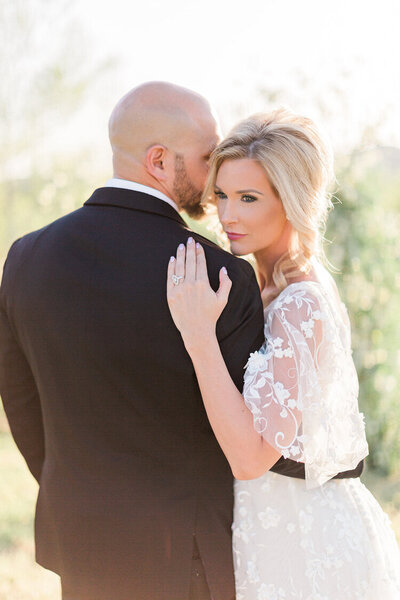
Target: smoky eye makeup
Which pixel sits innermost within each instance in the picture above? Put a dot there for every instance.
(248, 198)
(219, 193)
(244, 195)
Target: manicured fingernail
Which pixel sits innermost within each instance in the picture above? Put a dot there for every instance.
(181, 246)
(190, 240)
(172, 259)
(224, 270)
(197, 245)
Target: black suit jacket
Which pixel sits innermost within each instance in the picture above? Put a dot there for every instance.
(103, 402)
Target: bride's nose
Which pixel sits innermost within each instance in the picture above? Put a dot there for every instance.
(227, 214)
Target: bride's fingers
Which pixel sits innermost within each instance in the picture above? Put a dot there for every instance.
(190, 269)
(201, 264)
(170, 272)
(225, 285)
(180, 262)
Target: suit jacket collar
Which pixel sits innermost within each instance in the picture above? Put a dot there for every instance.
(133, 200)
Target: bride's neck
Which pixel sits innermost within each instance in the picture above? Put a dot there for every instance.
(265, 264)
(267, 257)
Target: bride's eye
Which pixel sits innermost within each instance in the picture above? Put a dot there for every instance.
(220, 195)
(248, 198)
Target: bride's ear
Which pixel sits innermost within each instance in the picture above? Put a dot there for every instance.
(158, 162)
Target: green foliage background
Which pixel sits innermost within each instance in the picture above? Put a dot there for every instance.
(364, 228)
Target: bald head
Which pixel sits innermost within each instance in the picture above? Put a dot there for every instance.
(155, 124)
(156, 113)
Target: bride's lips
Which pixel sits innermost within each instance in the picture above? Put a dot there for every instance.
(235, 236)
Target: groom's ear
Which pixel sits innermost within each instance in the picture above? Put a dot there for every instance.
(157, 162)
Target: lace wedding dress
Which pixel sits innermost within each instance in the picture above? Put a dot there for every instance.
(312, 539)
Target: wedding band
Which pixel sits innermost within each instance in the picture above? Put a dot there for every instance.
(176, 279)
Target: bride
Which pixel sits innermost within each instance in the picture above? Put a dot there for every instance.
(313, 532)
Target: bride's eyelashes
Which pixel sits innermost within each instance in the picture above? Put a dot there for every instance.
(245, 197)
(248, 198)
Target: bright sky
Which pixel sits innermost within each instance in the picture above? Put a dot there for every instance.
(342, 56)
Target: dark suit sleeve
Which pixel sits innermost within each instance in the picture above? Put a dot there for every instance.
(19, 393)
(240, 329)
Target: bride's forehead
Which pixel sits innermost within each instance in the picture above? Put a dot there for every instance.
(240, 167)
(242, 173)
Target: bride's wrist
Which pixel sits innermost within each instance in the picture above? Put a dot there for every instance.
(199, 343)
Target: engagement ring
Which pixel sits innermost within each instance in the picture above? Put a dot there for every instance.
(176, 279)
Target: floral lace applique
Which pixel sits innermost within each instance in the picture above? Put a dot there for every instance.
(302, 387)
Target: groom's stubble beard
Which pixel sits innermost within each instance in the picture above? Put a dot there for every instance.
(187, 196)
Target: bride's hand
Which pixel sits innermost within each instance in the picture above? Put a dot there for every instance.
(194, 306)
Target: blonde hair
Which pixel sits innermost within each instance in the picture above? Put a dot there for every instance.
(298, 165)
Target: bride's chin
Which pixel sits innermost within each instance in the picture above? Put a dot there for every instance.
(237, 251)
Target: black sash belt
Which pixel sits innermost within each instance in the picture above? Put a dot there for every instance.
(291, 468)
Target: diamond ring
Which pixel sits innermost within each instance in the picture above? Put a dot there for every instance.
(176, 279)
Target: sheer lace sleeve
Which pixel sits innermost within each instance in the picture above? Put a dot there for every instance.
(302, 387)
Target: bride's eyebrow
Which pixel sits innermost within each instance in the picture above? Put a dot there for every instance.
(218, 189)
(249, 190)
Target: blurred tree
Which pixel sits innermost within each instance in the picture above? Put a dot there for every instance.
(364, 230)
(39, 95)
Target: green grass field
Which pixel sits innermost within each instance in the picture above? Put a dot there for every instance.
(21, 578)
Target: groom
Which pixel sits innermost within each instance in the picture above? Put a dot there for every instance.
(135, 495)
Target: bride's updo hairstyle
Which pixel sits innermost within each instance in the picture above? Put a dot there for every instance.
(298, 165)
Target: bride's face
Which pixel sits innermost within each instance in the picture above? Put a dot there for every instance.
(250, 212)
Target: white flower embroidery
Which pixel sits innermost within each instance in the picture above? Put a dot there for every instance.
(290, 527)
(278, 352)
(276, 342)
(269, 518)
(270, 592)
(281, 392)
(306, 521)
(252, 572)
(294, 450)
(308, 328)
(275, 346)
(257, 361)
(288, 353)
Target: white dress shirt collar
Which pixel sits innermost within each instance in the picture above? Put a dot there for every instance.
(139, 187)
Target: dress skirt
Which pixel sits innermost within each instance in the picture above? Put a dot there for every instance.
(333, 542)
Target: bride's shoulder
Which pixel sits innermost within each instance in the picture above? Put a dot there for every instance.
(318, 286)
(295, 295)
(307, 301)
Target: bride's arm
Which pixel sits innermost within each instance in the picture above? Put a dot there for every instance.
(195, 308)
